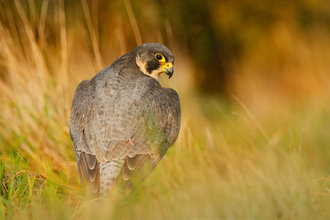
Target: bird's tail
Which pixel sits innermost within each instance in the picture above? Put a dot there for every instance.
(108, 174)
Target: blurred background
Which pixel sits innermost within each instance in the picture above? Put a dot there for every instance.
(257, 50)
(253, 78)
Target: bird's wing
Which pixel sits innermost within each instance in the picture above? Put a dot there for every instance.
(163, 113)
(86, 160)
(137, 121)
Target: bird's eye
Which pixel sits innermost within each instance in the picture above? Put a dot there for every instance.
(160, 57)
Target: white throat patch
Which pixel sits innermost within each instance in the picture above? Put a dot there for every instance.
(142, 66)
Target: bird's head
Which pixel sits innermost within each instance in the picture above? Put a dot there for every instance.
(154, 59)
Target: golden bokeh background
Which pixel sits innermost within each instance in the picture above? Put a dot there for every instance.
(254, 83)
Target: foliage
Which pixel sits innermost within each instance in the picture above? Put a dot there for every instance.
(261, 156)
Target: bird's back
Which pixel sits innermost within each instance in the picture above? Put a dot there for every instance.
(121, 121)
(116, 120)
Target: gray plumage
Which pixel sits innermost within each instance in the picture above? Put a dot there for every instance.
(123, 121)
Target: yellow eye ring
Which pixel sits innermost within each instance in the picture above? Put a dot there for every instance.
(160, 57)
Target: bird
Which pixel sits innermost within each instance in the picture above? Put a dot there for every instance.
(122, 121)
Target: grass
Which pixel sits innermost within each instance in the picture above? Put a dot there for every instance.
(229, 161)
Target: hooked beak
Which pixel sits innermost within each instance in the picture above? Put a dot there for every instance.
(169, 71)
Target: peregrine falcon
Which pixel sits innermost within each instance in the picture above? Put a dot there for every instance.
(123, 121)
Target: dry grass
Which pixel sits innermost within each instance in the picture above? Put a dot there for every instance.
(228, 162)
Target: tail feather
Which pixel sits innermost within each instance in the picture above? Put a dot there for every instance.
(108, 174)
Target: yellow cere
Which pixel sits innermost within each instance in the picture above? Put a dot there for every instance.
(166, 65)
